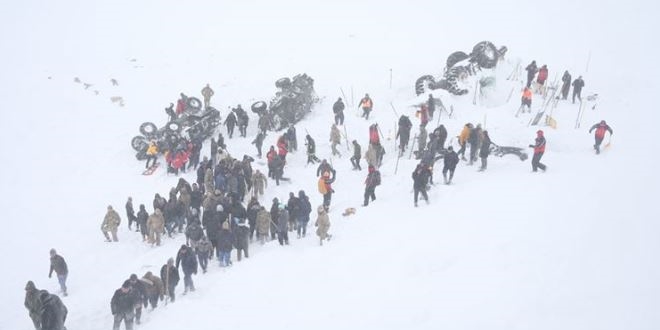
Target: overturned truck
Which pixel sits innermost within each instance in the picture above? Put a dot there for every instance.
(293, 100)
(460, 65)
(192, 124)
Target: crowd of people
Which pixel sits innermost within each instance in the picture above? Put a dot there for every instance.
(215, 219)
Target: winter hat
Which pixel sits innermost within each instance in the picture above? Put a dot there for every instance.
(539, 132)
(133, 277)
(321, 209)
(109, 207)
(30, 286)
(126, 285)
(53, 252)
(602, 122)
(225, 225)
(170, 261)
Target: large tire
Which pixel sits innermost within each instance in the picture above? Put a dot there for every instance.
(485, 54)
(173, 127)
(283, 83)
(193, 104)
(422, 82)
(148, 129)
(139, 143)
(259, 107)
(456, 57)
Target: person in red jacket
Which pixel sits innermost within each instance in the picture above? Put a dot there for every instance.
(600, 128)
(539, 149)
(282, 147)
(541, 78)
(181, 104)
(374, 137)
(424, 115)
(270, 155)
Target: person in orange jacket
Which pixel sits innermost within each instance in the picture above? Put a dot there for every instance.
(367, 105)
(462, 140)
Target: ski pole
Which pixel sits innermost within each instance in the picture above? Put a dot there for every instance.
(393, 109)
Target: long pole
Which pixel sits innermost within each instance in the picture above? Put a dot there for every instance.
(390, 78)
(394, 109)
(588, 60)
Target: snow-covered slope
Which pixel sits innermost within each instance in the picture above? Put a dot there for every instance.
(573, 248)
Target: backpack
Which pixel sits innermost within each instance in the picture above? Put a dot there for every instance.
(377, 178)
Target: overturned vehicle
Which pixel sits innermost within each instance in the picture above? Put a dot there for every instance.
(460, 65)
(293, 100)
(192, 124)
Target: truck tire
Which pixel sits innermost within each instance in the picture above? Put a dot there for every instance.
(139, 143)
(485, 54)
(422, 82)
(148, 129)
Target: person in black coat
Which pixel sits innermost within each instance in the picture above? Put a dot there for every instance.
(253, 208)
(292, 140)
(450, 162)
(259, 142)
(532, 69)
(187, 259)
(242, 239)
(441, 134)
(421, 177)
(566, 85)
(122, 305)
(196, 198)
(274, 216)
(577, 88)
(338, 109)
(142, 217)
(311, 150)
(130, 213)
(293, 206)
(53, 312)
(403, 133)
(230, 122)
(430, 103)
(170, 276)
(305, 208)
(484, 151)
(278, 168)
(225, 244)
(357, 155)
(140, 291)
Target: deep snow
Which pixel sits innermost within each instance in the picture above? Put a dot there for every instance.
(573, 248)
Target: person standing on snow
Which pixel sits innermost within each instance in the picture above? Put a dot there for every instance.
(325, 186)
(33, 304)
(367, 105)
(338, 109)
(403, 133)
(531, 72)
(170, 277)
(372, 181)
(463, 139)
(230, 122)
(600, 128)
(122, 306)
(430, 104)
(420, 178)
(207, 92)
(322, 224)
(541, 78)
(225, 244)
(53, 312)
(110, 224)
(526, 100)
(263, 225)
(484, 151)
(138, 288)
(335, 139)
(357, 155)
(188, 261)
(577, 88)
(311, 150)
(539, 149)
(566, 85)
(283, 225)
(130, 213)
(303, 214)
(450, 162)
(58, 264)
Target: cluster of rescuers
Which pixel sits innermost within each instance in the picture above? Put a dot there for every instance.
(211, 214)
